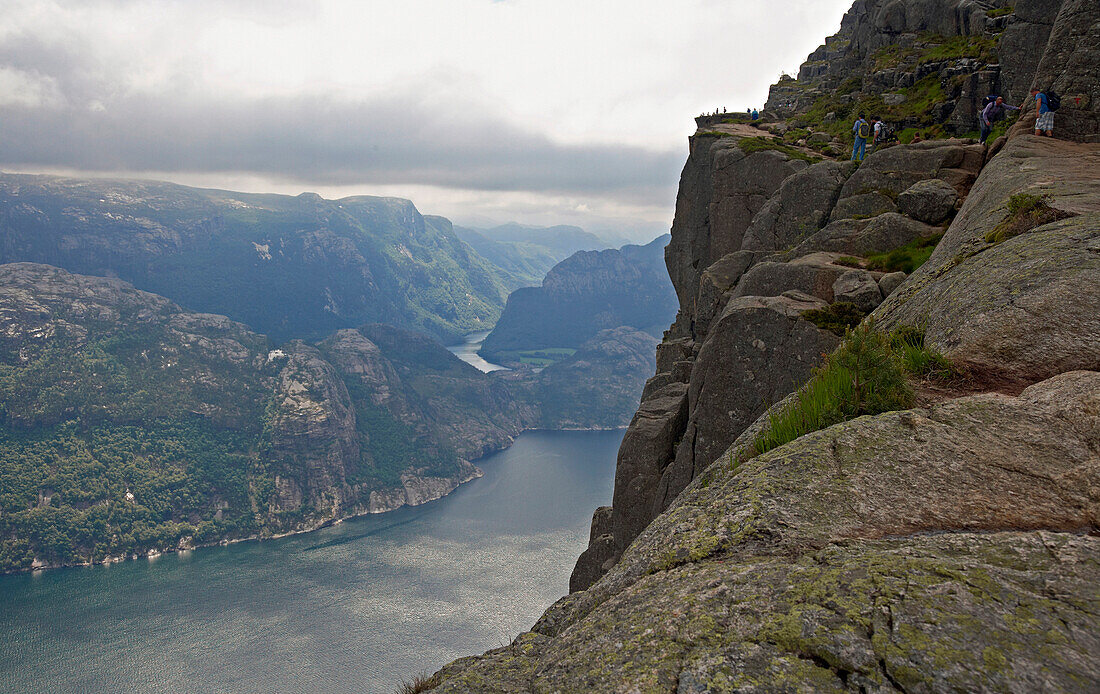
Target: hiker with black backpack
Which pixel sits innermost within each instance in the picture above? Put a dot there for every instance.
(1046, 103)
(994, 110)
(862, 130)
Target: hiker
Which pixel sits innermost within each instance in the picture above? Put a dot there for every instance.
(755, 114)
(862, 130)
(877, 133)
(994, 110)
(1044, 112)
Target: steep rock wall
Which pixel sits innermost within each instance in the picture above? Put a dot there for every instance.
(887, 553)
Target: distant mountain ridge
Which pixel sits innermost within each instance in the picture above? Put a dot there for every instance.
(588, 292)
(525, 254)
(298, 266)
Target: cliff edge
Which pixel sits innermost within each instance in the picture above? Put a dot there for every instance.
(940, 534)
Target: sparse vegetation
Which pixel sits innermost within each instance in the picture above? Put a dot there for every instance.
(932, 48)
(905, 259)
(1025, 212)
(537, 358)
(867, 374)
(838, 318)
(761, 144)
(1000, 12)
(848, 261)
(420, 683)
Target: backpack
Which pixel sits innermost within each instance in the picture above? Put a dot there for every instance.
(987, 101)
(864, 130)
(1053, 101)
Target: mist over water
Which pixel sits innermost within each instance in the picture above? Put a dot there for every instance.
(351, 608)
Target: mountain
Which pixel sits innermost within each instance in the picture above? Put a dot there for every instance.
(588, 292)
(521, 264)
(563, 238)
(597, 386)
(129, 425)
(287, 266)
(809, 499)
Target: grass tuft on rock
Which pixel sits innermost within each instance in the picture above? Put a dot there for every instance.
(420, 683)
(867, 374)
(905, 259)
(1025, 212)
(838, 318)
(749, 145)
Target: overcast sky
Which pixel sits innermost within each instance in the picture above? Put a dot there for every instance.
(538, 111)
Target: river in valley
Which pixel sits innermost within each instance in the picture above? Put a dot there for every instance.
(351, 608)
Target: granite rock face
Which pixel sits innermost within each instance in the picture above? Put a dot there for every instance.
(891, 553)
(950, 547)
(721, 189)
(798, 209)
(1026, 306)
(1069, 67)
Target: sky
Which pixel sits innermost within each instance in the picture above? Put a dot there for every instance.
(484, 111)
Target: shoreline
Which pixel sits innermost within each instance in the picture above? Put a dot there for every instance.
(361, 511)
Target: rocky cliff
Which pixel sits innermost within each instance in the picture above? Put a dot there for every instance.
(764, 538)
(287, 266)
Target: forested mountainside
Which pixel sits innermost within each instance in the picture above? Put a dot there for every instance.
(584, 294)
(524, 255)
(129, 425)
(868, 459)
(289, 267)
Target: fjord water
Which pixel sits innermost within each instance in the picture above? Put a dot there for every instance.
(351, 608)
(467, 352)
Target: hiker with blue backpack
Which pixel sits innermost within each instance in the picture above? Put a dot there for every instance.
(1046, 103)
(862, 130)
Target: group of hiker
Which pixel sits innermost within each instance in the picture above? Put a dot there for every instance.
(993, 109)
(866, 131)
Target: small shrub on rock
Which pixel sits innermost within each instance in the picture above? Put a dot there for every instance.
(1025, 212)
(867, 374)
(838, 318)
(905, 259)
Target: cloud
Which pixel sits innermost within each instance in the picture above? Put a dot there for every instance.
(321, 139)
(584, 106)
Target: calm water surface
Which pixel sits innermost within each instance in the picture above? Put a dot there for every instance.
(352, 608)
(467, 352)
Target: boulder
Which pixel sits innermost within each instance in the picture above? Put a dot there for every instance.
(858, 287)
(757, 352)
(814, 274)
(862, 206)
(879, 234)
(891, 281)
(896, 168)
(799, 208)
(930, 201)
